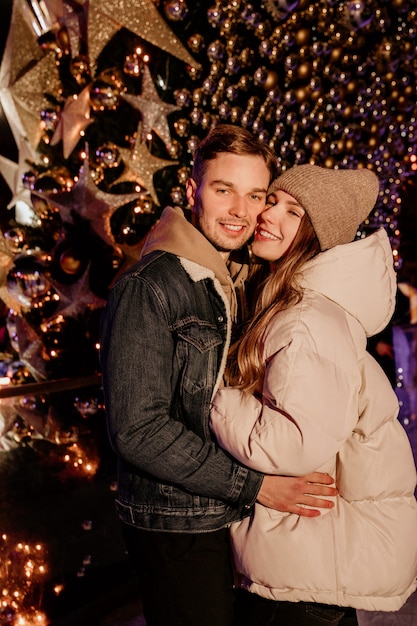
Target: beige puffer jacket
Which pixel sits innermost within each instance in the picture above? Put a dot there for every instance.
(343, 420)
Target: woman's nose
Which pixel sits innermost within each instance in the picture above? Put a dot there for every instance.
(265, 215)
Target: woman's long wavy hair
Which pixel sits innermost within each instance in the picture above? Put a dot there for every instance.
(281, 289)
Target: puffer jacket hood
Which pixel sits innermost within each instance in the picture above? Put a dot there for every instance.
(359, 277)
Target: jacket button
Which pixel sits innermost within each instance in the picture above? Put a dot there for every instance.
(220, 318)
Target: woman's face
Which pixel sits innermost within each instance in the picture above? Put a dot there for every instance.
(277, 226)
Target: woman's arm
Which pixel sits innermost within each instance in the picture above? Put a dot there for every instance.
(308, 408)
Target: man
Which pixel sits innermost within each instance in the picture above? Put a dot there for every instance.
(165, 335)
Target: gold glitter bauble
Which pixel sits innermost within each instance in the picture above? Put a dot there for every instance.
(303, 94)
(304, 70)
(329, 162)
(316, 146)
(352, 87)
(271, 80)
(350, 144)
(303, 36)
(69, 263)
(336, 54)
(348, 112)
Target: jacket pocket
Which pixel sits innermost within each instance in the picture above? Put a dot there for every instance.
(201, 335)
(199, 351)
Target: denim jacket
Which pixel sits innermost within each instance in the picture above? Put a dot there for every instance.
(165, 333)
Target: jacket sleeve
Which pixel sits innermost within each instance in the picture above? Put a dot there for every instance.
(136, 356)
(308, 408)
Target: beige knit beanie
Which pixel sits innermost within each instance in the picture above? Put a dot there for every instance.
(336, 201)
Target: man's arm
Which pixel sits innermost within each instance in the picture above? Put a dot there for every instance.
(138, 350)
(294, 494)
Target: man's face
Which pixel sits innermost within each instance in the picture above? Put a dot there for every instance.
(229, 199)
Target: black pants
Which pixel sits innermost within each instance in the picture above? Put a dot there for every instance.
(186, 579)
(253, 610)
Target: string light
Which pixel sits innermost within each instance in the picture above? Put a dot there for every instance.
(23, 569)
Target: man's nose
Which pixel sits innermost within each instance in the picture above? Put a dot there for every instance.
(239, 207)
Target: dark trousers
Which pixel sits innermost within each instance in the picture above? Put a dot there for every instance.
(253, 610)
(186, 579)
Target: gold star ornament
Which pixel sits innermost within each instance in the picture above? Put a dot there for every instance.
(92, 204)
(154, 111)
(74, 119)
(141, 165)
(140, 17)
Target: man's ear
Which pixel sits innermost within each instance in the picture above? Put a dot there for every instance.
(190, 191)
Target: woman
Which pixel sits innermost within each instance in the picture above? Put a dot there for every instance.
(307, 396)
